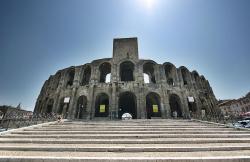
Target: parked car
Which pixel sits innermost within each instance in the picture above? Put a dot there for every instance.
(244, 123)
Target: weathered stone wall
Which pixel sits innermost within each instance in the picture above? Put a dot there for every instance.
(169, 88)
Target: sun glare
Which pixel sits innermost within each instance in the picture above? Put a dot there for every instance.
(148, 3)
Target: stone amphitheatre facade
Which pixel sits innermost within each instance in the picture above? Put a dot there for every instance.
(84, 92)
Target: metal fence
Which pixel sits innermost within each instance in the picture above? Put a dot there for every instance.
(218, 118)
(18, 119)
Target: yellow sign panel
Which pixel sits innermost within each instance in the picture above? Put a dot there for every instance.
(155, 109)
(102, 108)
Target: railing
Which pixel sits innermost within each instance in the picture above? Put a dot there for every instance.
(218, 118)
(17, 120)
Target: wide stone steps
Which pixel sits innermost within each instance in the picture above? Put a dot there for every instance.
(124, 149)
(129, 132)
(135, 140)
(142, 136)
(214, 156)
(140, 129)
(125, 141)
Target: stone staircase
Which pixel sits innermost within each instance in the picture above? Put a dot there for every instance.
(155, 140)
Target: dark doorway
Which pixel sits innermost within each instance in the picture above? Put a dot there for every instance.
(170, 73)
(102, 105)
(61, 105)
(50, 106)
(71, 75)
(185, 75)
(127, 104)
(175, 105)
(127, 71)
(81, 107)
(192, 106)
(86, 75)
(153, 105)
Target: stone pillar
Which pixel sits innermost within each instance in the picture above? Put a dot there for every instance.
(157, 74)
(91, 105)
(164, 103)
(142, 103)
(72, 107)
(114, 107)
(185, 106)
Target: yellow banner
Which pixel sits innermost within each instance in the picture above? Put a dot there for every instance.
(155, 109)
(102, 108)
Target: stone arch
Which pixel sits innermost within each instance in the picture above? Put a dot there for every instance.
(57, 79)
(170, 73)
(38, 107)
(203, 82)
(50, 106)
(70, 77)
(196, 78)
(185, 75)
(81, 107)
(175, 105)
(127, 71)
(153, 105)
(127, 107)
(204, 106)
(192, 105)
(105, 69)
(149, 69)
(102, 105)
(86, 75)
(61, 106)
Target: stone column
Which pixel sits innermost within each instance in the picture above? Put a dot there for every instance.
(164, 104)
(91, 105)
(114, 107)
(185, 106)
(142, 102)
(71, 109)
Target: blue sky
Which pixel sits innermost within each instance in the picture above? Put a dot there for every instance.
(39, 37)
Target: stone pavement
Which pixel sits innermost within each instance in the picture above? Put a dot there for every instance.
(135, 140)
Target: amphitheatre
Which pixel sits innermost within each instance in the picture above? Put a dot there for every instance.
(109, 87)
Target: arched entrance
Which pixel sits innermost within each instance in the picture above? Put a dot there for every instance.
(71, 75)
(170, 73)
(50, 106)
(102, 105)
(153, 105)
(148, 68)
(175, 105)
(64, 106)
(61, 106)
(127, 71)
(81, 107)
(185, 75)
(86, 75)
(127, 104)
(192, 107)
(105, 69)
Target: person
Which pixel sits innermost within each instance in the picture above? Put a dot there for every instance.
(59, 119)
(190, 114)
(175, 114)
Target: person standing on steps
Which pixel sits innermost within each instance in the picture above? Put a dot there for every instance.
(59, 119)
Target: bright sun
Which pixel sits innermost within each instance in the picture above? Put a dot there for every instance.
(148, 3)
